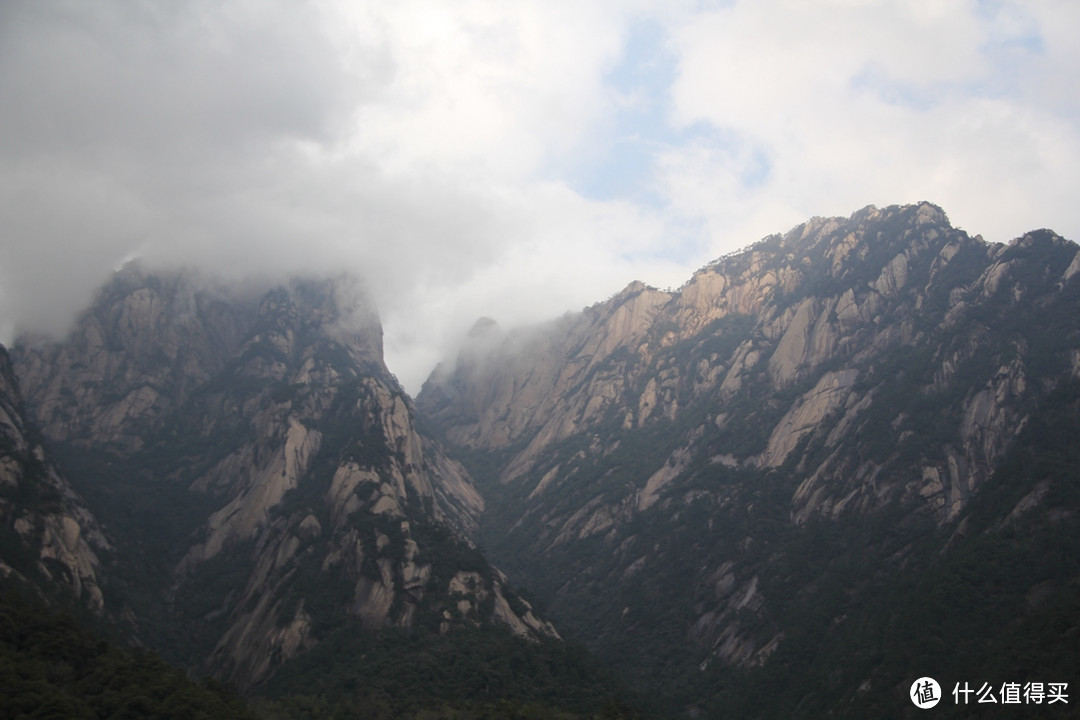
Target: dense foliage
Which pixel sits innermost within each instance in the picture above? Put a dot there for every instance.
(465, 674)
(50, 667)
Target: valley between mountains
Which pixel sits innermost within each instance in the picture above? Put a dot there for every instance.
(838, 460)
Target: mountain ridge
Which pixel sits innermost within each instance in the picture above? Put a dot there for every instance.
(880, 366)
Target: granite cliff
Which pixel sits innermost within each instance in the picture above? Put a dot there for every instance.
(660, 465)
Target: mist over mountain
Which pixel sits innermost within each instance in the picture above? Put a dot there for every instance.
(830, 463)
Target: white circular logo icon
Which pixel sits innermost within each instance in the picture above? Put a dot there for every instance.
(925, 693)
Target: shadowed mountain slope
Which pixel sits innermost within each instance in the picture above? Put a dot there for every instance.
(48, 537)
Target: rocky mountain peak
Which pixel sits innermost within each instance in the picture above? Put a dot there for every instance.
(262, 436)
(336, 309)
(150, 339)
(809, 294)
(882, 363)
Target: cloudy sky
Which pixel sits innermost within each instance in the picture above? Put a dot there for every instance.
(509, 159)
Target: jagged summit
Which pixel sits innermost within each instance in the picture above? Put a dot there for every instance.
(864, 262)
(150, 340)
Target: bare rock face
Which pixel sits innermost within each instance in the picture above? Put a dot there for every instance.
(263, 426)
(136, 355)
(52, 540)
(830, 393)
(882, 363)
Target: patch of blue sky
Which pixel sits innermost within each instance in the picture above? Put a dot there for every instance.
(620, 162)
(621, 157)
(874, 80)
(684, 242)
(1009, 27)
(1030, 42)
(1012, 40)
(756, 169)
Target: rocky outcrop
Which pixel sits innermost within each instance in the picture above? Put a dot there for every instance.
(52, 540)
(537, 372)
(831, 392)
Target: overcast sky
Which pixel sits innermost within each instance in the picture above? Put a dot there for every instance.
(509, 159)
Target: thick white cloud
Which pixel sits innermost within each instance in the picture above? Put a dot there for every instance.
(486, 88)
(438, 149)
(850, 103)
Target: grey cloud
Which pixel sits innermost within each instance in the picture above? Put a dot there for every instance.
(423, 152)
(161, 128)
(225, 135)
(165, 78)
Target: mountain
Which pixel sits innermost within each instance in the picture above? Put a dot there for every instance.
(829, 464)
(261, 473)
(834, 462)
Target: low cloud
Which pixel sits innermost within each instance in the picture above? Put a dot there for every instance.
(436, 149)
